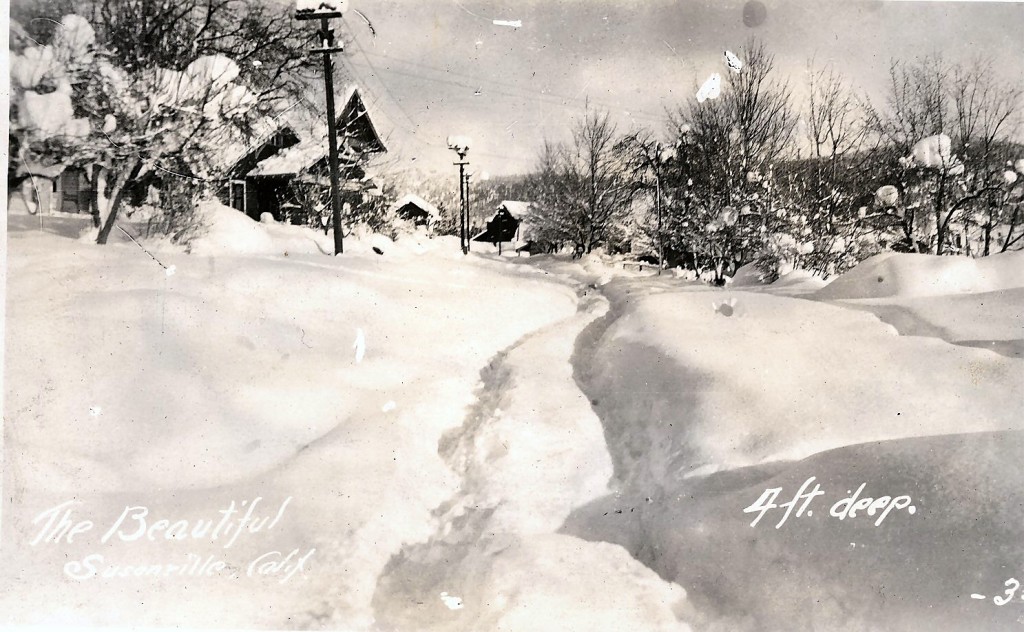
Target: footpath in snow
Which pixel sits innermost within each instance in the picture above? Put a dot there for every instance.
(531, 450)
(259, 369)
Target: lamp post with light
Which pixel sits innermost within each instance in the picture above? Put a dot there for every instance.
(460, 145)
(325, 10)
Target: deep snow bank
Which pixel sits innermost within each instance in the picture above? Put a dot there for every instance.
(225, 231)
(327, 379)
(914, 572)
(894, 274)
(703, 380)
(969, 302)
(710, 397)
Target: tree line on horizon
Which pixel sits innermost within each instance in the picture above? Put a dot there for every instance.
(934, 168)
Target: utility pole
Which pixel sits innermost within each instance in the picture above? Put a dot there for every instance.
(462, 207)
(469, 224)
(460, 145)
(657, 202)
(656, 162)
(325, 11)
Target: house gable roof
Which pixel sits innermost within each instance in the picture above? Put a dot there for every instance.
(356, 126)
(356, 131)
(517, 208)
(522, 211)
(270, 146)
(418, 202)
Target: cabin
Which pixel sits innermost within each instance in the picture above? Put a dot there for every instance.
(415, 209)
(524, 236)
(503, 227)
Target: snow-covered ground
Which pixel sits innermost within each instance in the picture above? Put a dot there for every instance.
(506, 443)
(710, 397)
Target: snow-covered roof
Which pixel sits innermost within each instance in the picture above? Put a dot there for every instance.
(291, 160)
(518, 208)
(523, 212)
(357, 132)
(412, 198)
(357, 123)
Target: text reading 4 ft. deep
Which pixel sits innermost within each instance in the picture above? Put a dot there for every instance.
(854, 504)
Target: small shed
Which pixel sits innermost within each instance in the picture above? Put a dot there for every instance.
(500, 228)
(415, 209)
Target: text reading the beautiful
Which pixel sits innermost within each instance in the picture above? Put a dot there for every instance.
(135, 525)
(853, 505)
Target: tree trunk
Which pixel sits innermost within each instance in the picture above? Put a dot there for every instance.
(989, 222)
(1009, 233)
(113, 195)
(940, 225)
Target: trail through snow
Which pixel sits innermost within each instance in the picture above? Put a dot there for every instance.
(530, 451)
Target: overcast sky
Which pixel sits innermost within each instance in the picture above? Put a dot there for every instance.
(440, 67)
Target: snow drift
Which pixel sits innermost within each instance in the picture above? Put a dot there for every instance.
(237, 377)
(705, 408)
(905, 275)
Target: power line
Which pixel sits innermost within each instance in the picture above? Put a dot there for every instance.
(525, 91)
(546, 99)
(394, 99)
(410, 130)
(552, 97)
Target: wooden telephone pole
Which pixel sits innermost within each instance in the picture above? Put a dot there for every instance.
(324, 12)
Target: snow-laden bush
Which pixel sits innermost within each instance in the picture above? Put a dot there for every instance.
(178, 217)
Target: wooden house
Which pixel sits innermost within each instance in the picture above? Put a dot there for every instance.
(503, 227)
(259, 181)
(514, 223)
(258, 173)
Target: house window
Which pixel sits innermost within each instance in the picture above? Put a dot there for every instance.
(277, 140)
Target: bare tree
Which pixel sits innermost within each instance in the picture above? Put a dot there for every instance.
(988, 113)
(917, 104)
(587, 184)
(829, 185)
(970, 115)
(729, 148)
(648, 160)
(269, 46)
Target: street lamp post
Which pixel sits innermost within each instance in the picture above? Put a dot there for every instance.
(460, 145)
(462, 206)
(325, 10)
